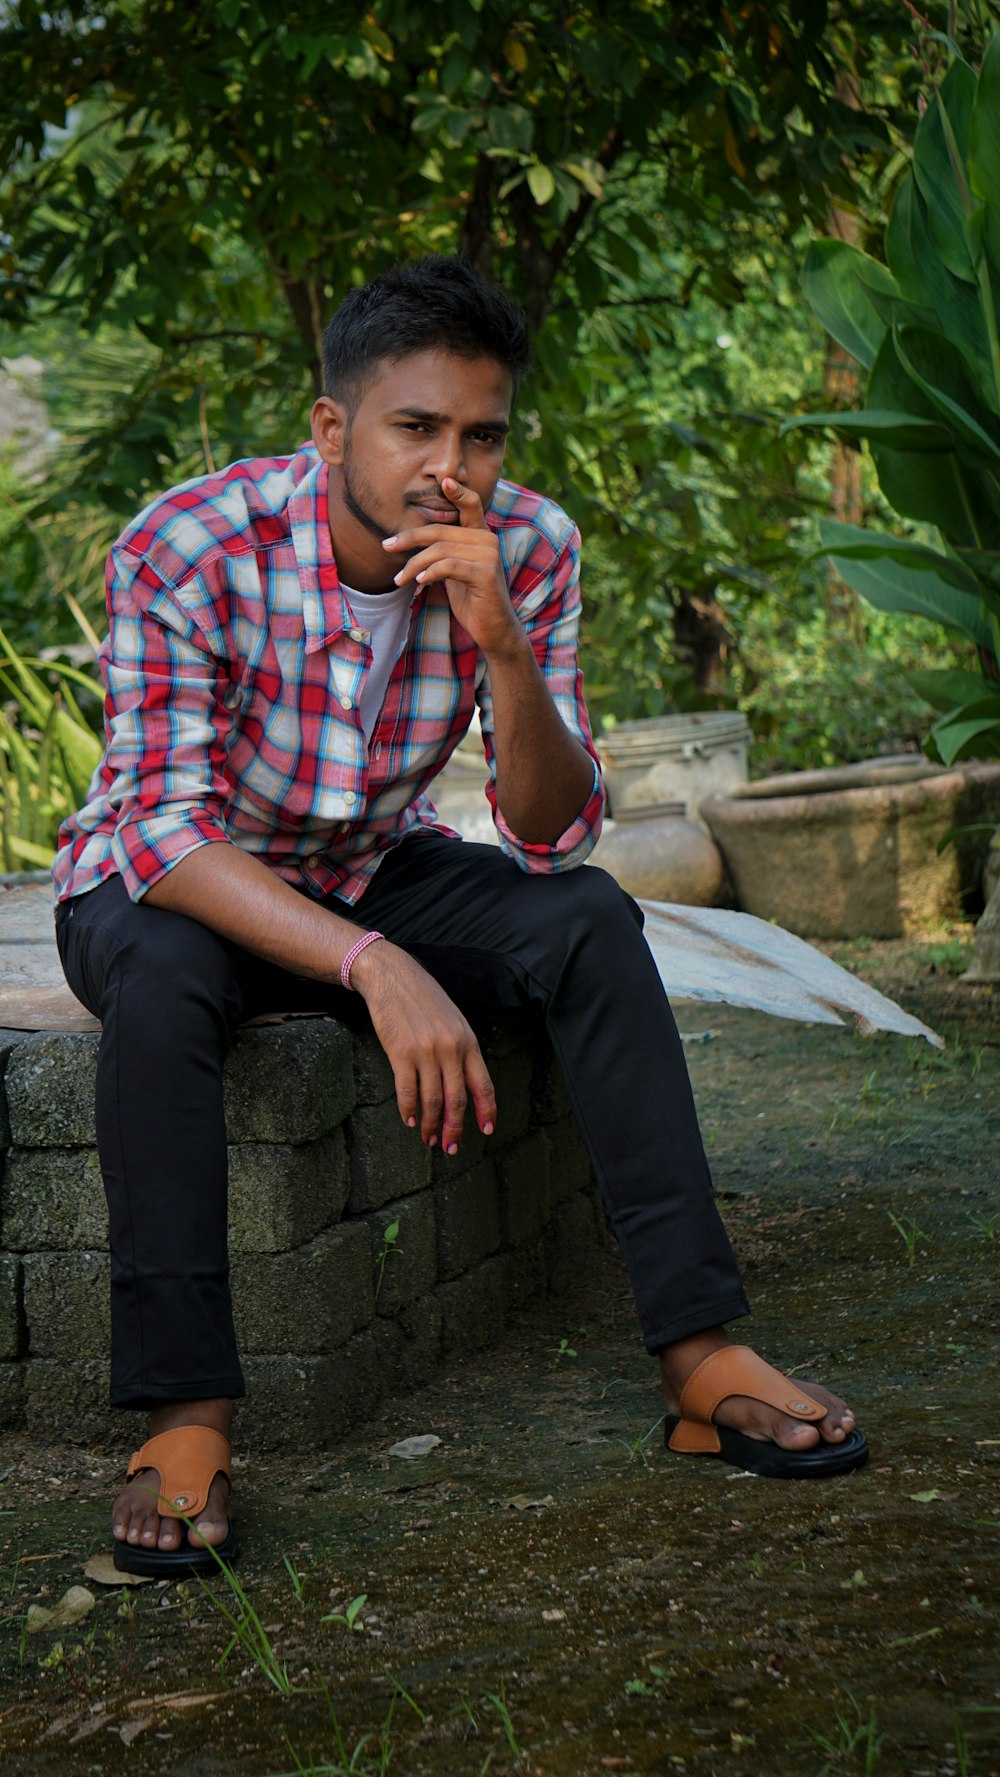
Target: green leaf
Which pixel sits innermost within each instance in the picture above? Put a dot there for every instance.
(947, 687)
(935, 490)
(924, 279)
(541, 183)
(862, 544)
(972, 732)
(890, 586)
(939, 154)
(938, 368)
(984, 129)
(838, 281)
(900, 429)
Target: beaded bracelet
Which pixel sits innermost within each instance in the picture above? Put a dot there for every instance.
(354, 953)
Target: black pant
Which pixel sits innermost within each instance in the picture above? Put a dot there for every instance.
(170, 993)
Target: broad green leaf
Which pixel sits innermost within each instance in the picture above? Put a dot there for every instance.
(938, 368)
(838, 280)
(939, 154)
(890, 586)
(924, 278)
(541, 183)
(972, 732)
(866, 545)
(900, 429)
(948, 687)
(984, 132)
(935, 490)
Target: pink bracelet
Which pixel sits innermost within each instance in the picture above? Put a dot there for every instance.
(354, 953)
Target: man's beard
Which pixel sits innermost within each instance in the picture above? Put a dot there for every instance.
(358, 498)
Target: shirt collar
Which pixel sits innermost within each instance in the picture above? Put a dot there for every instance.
(325, 610)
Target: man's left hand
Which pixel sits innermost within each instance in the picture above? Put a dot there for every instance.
(466, 557)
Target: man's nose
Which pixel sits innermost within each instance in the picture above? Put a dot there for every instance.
(447, 456)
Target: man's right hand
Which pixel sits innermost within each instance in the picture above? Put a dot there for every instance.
(435, 1058)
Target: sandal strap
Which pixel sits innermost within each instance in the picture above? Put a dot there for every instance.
(735, 1369)
(187, 1460)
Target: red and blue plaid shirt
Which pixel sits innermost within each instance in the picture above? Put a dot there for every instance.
(234, 671)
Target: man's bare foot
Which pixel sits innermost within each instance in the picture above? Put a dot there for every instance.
(135, 1518)
(765, 1424)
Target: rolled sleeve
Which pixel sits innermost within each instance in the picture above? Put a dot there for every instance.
(167, 724)
(547, 602)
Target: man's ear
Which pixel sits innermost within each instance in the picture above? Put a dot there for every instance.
(329, 421)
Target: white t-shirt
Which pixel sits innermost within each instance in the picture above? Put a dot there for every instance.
(386, 617)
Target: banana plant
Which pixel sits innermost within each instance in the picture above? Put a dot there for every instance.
(48, 755)
(924, 325)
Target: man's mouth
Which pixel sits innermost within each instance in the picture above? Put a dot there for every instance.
(440, 511)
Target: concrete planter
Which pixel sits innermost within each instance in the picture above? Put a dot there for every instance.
(853, 853)
(658, 855)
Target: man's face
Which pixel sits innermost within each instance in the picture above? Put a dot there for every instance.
(422, 418)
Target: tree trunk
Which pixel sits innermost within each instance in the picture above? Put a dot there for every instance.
(841, 388)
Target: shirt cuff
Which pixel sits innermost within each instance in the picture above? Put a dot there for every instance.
(146, 847)
(571, 848)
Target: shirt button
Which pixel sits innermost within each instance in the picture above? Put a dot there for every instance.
(358, 635)
(349, 799)
(346, 704)
(315, 861)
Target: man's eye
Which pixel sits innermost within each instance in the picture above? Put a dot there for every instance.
(413, 426)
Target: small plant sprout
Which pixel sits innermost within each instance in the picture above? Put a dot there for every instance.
(987, 1225)
(248, 1631)
(857, 1741)
(909, 1233)
(350, 1619)
(295, 1577)
(390, 1239)
(563, 1350)
(637, 1447)
(497, 1700)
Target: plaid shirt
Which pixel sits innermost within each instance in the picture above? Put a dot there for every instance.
(234, 671)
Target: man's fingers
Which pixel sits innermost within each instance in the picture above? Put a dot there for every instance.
(470, 506)
(481, 1087)
(406, 1094)
(455, 1101)
(431, 1102)
(448, 551)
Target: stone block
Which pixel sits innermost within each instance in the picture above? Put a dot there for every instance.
(411, 1265)
(549, 1098)
(525, 1275)
(52, 1199)
(571, 1237)
(512, 1071)
(12, 1396)
(569, 1162)
(288, 1082)
(468, 1220)
(67, 1305)
(387, 1159)
(306, 1403)
(523, 1178)
(409, 1347)
(49, 1087)
(68, 1399)
(474, 1148)
(305, 1302)
(11, 1319)
(281, 1195)
(8, 1041)
(373, 1077)
(473, 1308)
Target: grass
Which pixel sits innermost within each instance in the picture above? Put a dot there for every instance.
(852, 1742)
(909, 1233)
(357, 1761)
(248, 1631)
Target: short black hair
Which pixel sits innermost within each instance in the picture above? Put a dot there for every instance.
(433, 304)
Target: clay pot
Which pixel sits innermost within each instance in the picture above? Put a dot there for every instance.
(657, 854)
(853, 852)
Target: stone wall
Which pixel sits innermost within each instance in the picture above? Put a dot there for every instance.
(329, 1320)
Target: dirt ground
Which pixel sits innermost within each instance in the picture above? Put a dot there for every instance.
(548, 1591)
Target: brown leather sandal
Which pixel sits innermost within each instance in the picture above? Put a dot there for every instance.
(187, 1460)
(735, 1369)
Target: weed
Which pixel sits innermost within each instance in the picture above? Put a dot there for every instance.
(642, 1687)
(353, 1762)
(638, 1445)
(295, 1577)
(563, 1349)
(909, 1233)
(498, 1700)
(961, 1745)
(390, 1240)
(248, 1631)
(987, 1225)
(853, 1738)
(592, 1380)
(351, 1617)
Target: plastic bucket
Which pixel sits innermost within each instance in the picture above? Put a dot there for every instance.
(675, 758)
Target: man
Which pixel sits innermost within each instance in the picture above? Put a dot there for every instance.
(296, 647)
